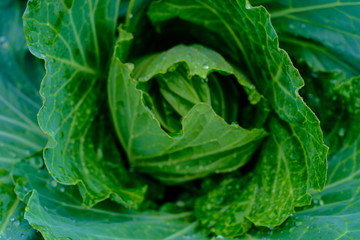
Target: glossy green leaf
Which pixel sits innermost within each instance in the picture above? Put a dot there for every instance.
(335, 99)
(75, 38)
(334, 212)
(58, 213)
(206, 144)
(276, 79)
(293, 160)
(267, 195)
(20, 136)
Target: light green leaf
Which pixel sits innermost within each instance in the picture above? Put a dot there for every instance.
(325, 34)
(20, 136)
(58, 213)
(294, 158)
(75, 38)
(206, 144)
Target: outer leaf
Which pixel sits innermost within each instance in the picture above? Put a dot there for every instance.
(57, 212)
(324, 33)
(248, 33)
(20, 137)
(335, 211)
(74, 38)
(207, 143)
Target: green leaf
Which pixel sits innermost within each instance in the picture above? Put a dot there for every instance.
(293, 160)
(75, 38)
(271, 69)
(267, 195)
(20, 136)
(325, 34)
(335, 212)
(58, 213)
(206, 144)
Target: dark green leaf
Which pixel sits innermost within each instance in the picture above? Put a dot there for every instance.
(58, 213)
(20, 136)
(325, 34)
(293, 161)
(75, 38)
(335, 212)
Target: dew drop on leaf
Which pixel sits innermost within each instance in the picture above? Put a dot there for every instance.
(341, 132)
(53, 183)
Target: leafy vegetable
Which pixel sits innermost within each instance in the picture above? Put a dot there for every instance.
(20, 137)
(179, 119)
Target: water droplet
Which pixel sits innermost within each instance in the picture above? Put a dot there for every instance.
(53, 183)
(62, 189)
(12, 219)
(234, 124)
(314, 75)
(321, 202)
(131, 16)
(206, 67)
(303, 25)
(17, 223)
(247, 5)
(298, 223)
(341, 132)
(291, 26)
(180, 203)
(3, 42)
(204, 80)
